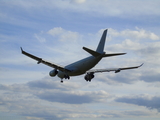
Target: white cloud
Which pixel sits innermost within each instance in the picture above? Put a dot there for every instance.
(46, 98)
(78, 1)
(39, 38)
(56, 31)
(142, 100)
(33, 100)
(17, 98)
(134, 34)
(104, 7)
(150, 50)
(64, 35)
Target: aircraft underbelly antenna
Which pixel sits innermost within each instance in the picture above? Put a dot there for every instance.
(100, 48)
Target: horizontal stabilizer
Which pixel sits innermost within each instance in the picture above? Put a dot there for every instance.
(114, 54)
(92, 52)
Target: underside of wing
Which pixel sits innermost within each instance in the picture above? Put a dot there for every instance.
(40, 60)
(112, 69)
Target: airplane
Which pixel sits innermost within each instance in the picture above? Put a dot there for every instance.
(83, 66)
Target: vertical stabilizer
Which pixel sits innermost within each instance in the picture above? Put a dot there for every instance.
(100, 48)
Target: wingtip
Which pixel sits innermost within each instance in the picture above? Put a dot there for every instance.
(21, 49)
(123, 53)
(141, 64)
(106, 29)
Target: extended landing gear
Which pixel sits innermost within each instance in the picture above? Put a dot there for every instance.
(88, 80)
(66, 77)
(89, 77)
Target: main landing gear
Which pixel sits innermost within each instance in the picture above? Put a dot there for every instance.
(89, 77)
(66, 77)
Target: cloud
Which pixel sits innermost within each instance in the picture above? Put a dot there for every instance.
(78, 1)
(151, 76)
(26, 105)
(39, 38)
(66, 24)
(64, 35)
(35, 101)
(73, 97)
(67, 93)
(26, 99)
(149, 50)
(49, 83)
(101, 7)
(53, 91)
(137, 42)
(143, 100)
(137, 113)
(134, 34)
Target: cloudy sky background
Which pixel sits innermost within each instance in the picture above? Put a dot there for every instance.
(56, 30)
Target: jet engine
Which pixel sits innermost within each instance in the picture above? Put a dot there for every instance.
(118, 70)
(89, 76)
(53, 73)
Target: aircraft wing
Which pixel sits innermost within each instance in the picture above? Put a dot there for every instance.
(112, 69)
(40, 60)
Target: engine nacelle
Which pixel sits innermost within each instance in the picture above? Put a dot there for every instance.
(118, 70)
(53, 73)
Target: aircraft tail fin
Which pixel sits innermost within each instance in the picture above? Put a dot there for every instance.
(100, 48)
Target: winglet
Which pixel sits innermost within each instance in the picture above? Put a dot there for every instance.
(141, 64)
(21, 49)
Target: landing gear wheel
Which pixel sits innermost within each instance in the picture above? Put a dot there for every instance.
(66, 77)
(61, 81)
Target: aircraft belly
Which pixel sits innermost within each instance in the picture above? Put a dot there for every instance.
(81, 67)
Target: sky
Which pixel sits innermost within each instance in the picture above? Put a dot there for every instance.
(56, 30)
